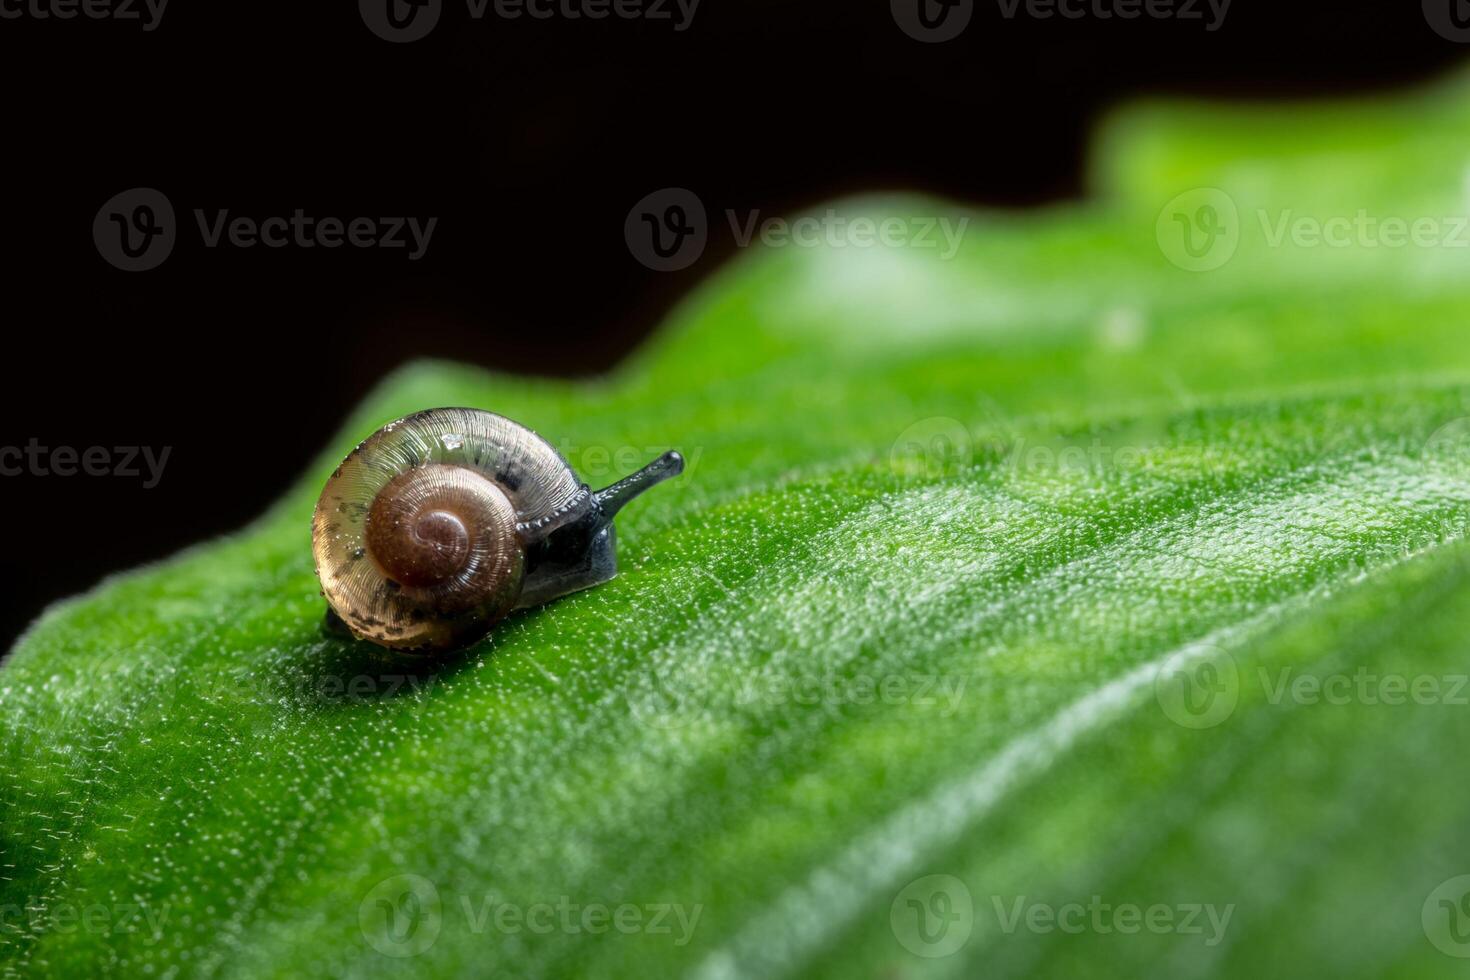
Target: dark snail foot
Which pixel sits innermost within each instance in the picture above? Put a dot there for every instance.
(332, 625)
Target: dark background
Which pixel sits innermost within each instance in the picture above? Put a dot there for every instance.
(530, 141)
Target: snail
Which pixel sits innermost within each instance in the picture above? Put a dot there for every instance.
(441, 523)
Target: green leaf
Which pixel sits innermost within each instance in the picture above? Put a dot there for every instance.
(985, 622)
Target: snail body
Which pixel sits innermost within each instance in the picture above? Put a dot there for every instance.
(441, 523)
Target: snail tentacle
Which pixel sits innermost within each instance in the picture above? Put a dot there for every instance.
(666, 467)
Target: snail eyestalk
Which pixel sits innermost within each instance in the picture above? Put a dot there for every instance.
(666, 467)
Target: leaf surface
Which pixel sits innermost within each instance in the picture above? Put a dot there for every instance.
(1005, 566)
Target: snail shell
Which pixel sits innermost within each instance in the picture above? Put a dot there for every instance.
(441, 523)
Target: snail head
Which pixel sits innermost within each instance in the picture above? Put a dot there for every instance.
(582, 553)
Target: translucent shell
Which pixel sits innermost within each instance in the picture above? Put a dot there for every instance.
(420, 535)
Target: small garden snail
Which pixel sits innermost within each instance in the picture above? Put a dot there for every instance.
(441, 523)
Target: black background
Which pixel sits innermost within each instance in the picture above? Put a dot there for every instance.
(529, 141)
